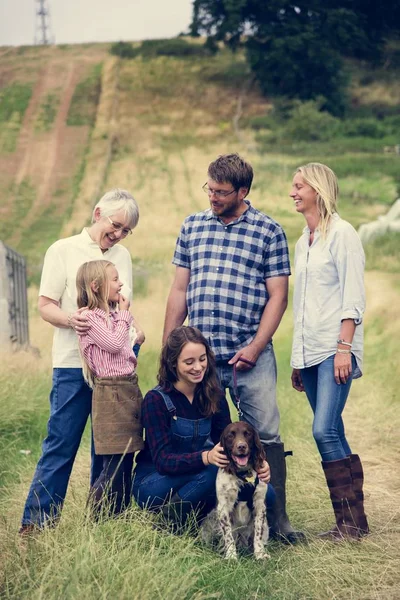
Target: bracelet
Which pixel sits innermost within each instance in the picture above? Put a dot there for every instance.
(69, 320)
(208, 460)
(339, 351)
(344, 343)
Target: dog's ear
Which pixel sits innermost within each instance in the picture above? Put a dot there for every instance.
(259, 452)
(222, 439)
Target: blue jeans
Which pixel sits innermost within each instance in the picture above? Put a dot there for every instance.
(70, 406)
(327, 400)
(152, 490)
(257, 392)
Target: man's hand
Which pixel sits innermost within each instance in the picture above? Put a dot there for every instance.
(297, 381)
(250, 355)
(264, 474)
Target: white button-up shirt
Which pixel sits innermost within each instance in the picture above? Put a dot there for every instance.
(329, 287)
(58, 282)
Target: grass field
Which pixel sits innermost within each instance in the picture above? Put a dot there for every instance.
(158, 124)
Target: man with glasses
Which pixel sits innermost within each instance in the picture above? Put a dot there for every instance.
(114, 217)
(231, 280)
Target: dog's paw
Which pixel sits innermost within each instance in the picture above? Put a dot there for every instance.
(263, 555)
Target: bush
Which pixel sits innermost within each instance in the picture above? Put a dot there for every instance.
(177, 47)
(308, 122)
(392, 125)
(123, 50)
(371, 128)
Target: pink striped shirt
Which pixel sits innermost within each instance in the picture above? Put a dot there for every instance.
(106, 345)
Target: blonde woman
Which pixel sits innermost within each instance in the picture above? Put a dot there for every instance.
(109, 366)
(327, 353)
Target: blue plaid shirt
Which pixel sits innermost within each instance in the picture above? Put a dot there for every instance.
(229, 264)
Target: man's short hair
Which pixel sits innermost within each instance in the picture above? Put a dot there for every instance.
(116, 200)
(231, 168)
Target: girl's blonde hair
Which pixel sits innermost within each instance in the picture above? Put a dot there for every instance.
(92, 272)
(324, 181)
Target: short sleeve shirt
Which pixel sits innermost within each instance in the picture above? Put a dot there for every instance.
(58, 282)
(229, 265)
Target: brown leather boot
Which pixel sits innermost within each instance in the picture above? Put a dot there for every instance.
(343, 498)
(29, 530)
(357, 475)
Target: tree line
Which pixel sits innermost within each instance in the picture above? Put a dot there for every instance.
(297, 49)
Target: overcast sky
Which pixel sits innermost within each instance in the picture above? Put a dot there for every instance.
(75, 21)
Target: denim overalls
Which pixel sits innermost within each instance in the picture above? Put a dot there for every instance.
(151, 490)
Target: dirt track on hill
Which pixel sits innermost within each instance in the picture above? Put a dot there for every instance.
(46, 158)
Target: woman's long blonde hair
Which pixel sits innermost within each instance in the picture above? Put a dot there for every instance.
(92, 272)
(324, 181)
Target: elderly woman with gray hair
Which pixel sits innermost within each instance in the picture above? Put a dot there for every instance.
(114, 217)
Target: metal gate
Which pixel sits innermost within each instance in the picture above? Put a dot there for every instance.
(14, 326)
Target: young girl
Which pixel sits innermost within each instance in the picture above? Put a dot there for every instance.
(109, 367)
(184, 417)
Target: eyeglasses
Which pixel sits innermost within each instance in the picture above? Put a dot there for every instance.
(217, 193)
(118, 227)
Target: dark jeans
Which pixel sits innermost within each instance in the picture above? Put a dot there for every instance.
(152, 490)
(111, 491)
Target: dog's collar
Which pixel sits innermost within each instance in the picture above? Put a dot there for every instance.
(248, 476)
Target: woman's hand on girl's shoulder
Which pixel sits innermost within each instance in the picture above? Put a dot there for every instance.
(216, 456)
(79, 321)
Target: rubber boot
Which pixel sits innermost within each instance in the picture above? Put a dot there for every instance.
(278, 521)
(343, 498)
(357, 475)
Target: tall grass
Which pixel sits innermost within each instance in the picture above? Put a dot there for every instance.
(129, 558)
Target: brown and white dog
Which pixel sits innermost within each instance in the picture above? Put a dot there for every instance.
(239, 523)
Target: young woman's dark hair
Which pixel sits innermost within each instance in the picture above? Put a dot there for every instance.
(209, 389)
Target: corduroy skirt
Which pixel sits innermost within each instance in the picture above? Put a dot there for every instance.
(116, 415)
